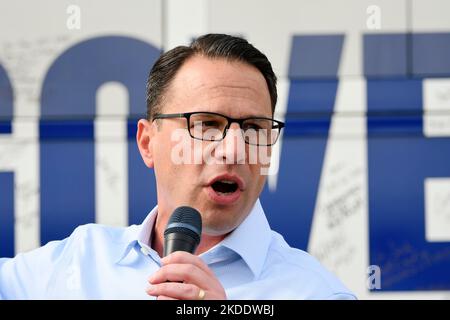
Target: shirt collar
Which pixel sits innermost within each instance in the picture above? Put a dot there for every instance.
(146, 228)
(250, 240)
(137, 234)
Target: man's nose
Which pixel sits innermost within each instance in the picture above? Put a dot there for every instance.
(232, 148)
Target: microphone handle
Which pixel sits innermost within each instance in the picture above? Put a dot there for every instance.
(179, 242)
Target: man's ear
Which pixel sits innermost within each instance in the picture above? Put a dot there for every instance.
(144, 138)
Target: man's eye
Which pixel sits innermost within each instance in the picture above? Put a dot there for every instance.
(210, 124)
(204, 124)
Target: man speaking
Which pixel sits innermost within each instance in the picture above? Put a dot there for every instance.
(208, 137)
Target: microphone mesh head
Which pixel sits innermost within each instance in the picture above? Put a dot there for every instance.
(185, 220)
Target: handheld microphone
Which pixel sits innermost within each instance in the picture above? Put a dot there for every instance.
(183, 231)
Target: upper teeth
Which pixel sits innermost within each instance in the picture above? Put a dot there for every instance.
(227, 181)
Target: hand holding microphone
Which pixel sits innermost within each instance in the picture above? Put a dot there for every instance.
(183, 275)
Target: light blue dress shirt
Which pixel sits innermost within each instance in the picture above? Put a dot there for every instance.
(101, 262)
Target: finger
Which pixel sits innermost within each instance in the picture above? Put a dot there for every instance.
(182, 257)
(186, 273)
(175, 290)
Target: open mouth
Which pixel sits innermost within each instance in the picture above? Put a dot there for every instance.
(225, 189)
(225, 186)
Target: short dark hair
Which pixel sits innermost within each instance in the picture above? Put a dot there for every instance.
(212, 46)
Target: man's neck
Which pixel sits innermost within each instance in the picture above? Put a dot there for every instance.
(157, 239)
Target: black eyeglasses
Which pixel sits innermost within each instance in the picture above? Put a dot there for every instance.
(211, 126)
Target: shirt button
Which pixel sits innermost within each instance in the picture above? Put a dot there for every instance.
(145, 251)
